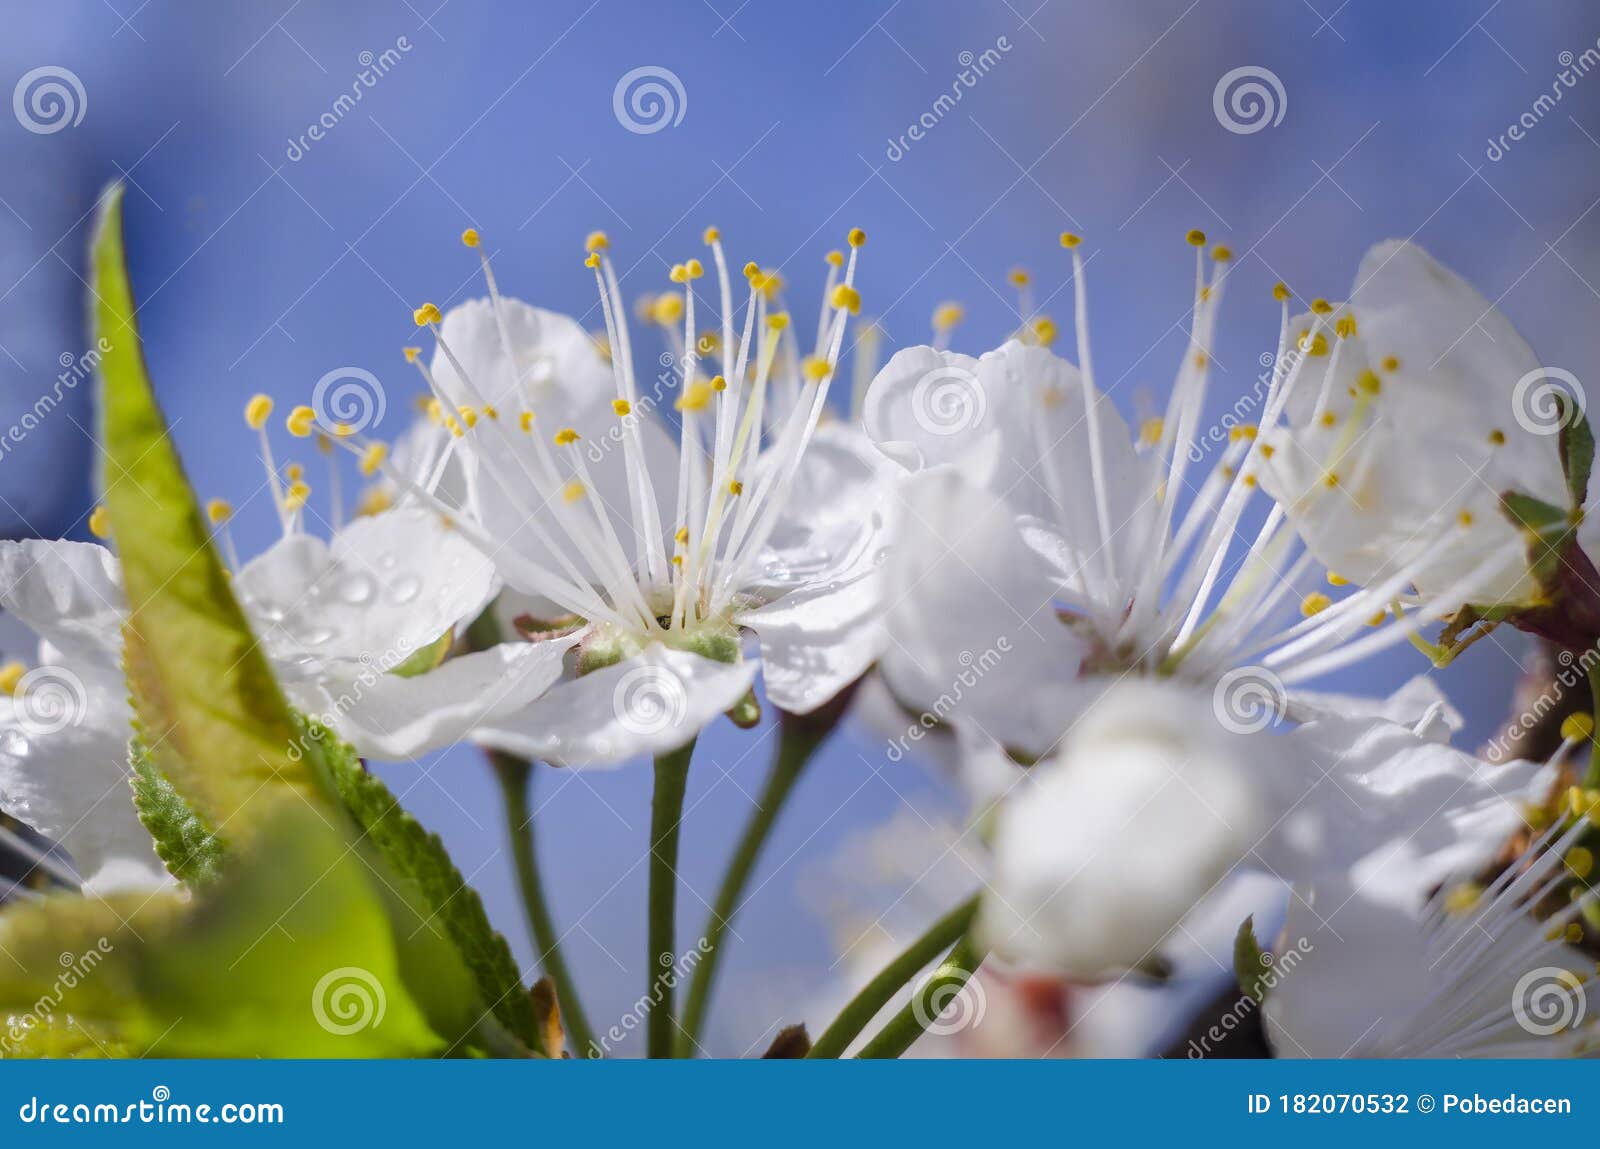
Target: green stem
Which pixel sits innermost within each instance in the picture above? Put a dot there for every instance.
(666, 814)
(515, 775)
(798, 741)
(1592, 778)
(927, 1003)
(865, 1005)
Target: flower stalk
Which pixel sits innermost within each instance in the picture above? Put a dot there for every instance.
(666, 815)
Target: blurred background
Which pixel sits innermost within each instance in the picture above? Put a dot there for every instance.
(265, 257)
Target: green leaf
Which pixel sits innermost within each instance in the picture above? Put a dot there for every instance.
(1576, 444)
(448, 906)
(190, 850)
(205, 697)
(1549, 529)
(291, 957)
(1251, 964)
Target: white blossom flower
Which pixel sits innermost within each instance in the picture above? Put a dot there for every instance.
(1404, 954)
(647, 556)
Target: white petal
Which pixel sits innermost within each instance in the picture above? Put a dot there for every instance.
(974, 637)
(817, 641)
(1420, 704)
(554, 360)
(390, 717)
(928, 407)
(67, 593)
(384, 588)
(649, 704)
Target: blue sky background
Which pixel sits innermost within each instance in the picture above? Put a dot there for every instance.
(258, 272)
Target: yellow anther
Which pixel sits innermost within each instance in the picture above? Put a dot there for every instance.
(1281, 292)
(1321, 307)
(301, 421)
(1205, 293)
(678, 274)
(470, 237)
(1337, 579)
(566, 436)
(1497, 437)
(1070, 240)
(1577, 727)
(681, 537)
(1345, 326)
(1329, 419)
(1044, 330)
(294, 472)
(572, 492)
(295, 497)
(1330, 479)
(490, 411)
(11, 677)
(1249, 481)
(596, 241)
(735, 487)
(718, 384)
(1377, 619)
(525, 420)
(696, 397)
(469, 416)
(711, 236)
(426, 314)
(1574, 935)
(751, 270)
(947, 315)
(373, 457)
(1369, 382)
(258, 411)
(412, 353)
(1226, 471)
(1018, 277)
(1268, 450)
(667, 308)
(857, 237)
(816, 369)
(622, 407)
(778, 320)
(1222, 253)
(592, 260)
(848, 298)
(1196, 238)
(1462, 898)
(219, 511)
(1315, 603)
(435, 411)
(454, 426)
(374, 502)
(1314, 345)
(677, 560)
(1464, 518)
(1200, 359)
(1390, 364)
(693, 269)
(100, 523)
(1151, 430)
(1580, 860)
(769, 283)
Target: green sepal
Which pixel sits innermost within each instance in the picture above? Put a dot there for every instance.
(425, 658)
(1549, 531)
(1576, 445)
(1251, 964)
